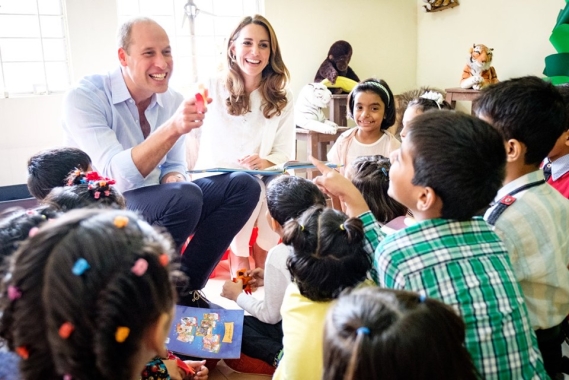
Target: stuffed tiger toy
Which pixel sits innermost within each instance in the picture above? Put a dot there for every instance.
(479, 71)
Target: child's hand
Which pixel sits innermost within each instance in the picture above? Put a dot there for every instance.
(200, 368)
(175, 372)
(333, 183)
(257, 277)
(231, 290)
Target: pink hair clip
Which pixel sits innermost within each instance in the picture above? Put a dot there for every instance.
(65, 330)
(97, 194)
(14, 293)
(67, 377)
(23, 352)
(33, 231)
(140, 267)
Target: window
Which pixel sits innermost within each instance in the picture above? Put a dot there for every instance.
(33, 47)
(213, 22)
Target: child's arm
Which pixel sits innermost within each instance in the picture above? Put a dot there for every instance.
(333, 183)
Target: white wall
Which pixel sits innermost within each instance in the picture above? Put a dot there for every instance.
(29, 124)
(518, 30)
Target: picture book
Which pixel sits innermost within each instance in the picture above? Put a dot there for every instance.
(206, 333)
(273, 170)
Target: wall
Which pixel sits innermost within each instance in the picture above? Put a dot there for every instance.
(29, 124)
(518, 30)
(382, 34)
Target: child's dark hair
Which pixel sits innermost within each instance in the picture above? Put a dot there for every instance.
(289, 196)
(527, 109)
(564, 91)
(49, 168)
(328, 254)
(374, 333)
(370, 175)
(462, 158)
(85, 190)
(381, 88)
(47, 289)
(427, 102)
(16, 227)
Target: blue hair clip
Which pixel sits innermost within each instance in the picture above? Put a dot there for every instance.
(362, 330)
(422, 298)
(80, 266)
(385, 172)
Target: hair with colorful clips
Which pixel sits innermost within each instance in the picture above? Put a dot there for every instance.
(85, 189)
(79, 298)
(370, 174)
(328, 254)
(374, 333)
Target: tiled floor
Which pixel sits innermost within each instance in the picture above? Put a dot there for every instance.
(212, 291)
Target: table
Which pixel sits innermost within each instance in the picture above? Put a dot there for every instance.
(460, 94)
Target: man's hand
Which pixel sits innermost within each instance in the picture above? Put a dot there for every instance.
(231, 290)
(333, 183)
(173, 177)
(189, 115)
(257, 278)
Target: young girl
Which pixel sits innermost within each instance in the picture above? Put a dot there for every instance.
(249, 122)
(370, 175)
(328, 257)
(85, 189)
(375, 333)
(287, 198)
(430, 100)
(371, 106)
(89, 296)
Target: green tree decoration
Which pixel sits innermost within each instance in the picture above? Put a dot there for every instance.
(557, 65)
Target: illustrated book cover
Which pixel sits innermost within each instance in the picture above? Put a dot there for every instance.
(206, 333)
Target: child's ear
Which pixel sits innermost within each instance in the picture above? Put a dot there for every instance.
(429, 202)
(515, 150)
(566, 133)
(275, 226)
(157, 333)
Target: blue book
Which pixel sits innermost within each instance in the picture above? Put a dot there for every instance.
(273, 170)
(206, 333)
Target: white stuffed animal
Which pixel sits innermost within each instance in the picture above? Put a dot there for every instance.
(308, 109)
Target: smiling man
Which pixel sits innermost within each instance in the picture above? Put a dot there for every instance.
(133, 126)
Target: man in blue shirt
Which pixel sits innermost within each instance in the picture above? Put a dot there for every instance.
(133, 127)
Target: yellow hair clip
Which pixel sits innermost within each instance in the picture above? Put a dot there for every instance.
(120, 221)
(121, 334)
(342, 227)
(301, 227)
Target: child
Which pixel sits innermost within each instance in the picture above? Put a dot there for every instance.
(370, 175)
(89, 297)
(287, 198)
(371, 106)
(49, 168)
(327, 258)
(374, 333)
(85, 190)
(556, 165)
(449, 167)
(430, 100)
(530, 216)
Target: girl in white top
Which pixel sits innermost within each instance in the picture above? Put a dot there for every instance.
(250, 120)
(287, 198)
(372, 107)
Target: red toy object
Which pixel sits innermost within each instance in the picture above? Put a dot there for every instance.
(241, 275)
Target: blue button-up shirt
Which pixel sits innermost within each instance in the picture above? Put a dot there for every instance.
(101, 118)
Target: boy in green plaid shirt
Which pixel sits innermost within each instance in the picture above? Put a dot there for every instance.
(447, 170)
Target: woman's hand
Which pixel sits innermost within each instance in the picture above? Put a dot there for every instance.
(254, 162)
(200, 369)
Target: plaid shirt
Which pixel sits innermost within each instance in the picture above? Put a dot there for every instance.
(465, 265)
